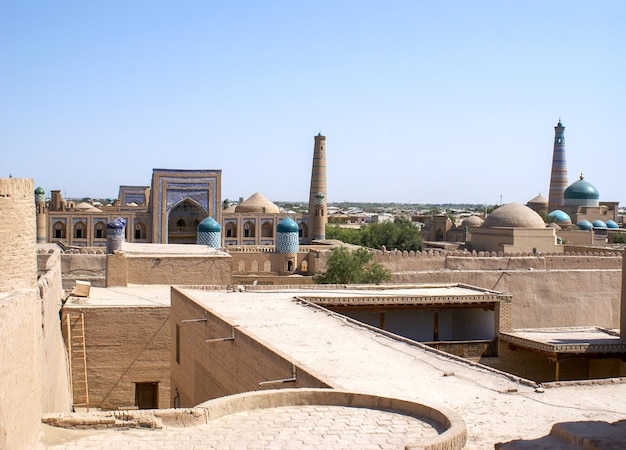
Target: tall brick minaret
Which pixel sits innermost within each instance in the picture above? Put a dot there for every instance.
(317, 197)
(558, 176)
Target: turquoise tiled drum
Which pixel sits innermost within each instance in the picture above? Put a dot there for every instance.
(287, 239)
(210, 233)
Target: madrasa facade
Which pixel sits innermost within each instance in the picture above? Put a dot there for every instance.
(172, 209)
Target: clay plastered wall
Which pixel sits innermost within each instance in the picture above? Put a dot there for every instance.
(207, 370)
(124, 346)
(262, 262)
(17, 234)
(20, 370)
(56, 396)
(85, 267)
(272, 280)
(164, 269)
(543, 298)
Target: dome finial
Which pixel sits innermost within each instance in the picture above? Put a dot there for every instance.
(581, 176)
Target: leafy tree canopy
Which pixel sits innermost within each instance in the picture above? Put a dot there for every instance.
(619, 238)
(357, 267)
(401, 234)
(347, 235)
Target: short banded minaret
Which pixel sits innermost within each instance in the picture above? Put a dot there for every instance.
(558, 176)
(40, 206)
(317, 196)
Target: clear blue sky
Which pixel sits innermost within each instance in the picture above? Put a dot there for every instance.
(421, 101)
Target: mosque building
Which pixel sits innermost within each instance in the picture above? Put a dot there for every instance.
(518, 228)
(172, 208)
(578, 202)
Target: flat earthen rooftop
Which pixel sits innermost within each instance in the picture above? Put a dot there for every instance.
(345, 355)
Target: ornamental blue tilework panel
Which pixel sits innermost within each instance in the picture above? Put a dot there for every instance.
(287, 242)
(202, 190)
(211, 238)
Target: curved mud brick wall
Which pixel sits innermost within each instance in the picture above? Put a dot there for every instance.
(454, 436)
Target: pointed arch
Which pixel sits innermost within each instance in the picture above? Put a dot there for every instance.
(140, 231)
(230, 230)
(248, 229)
(181, 219)
(80, 230)
(267, 230)
(303, 230)
(99, 230)
(58, 230)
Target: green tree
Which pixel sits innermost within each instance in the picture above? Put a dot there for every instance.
(401, 234)
(619, 238)
(357, 267)
(347, 235)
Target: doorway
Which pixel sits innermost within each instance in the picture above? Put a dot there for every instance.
(146, 395)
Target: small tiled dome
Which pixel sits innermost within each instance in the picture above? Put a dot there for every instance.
(561, 217)
(598, 224)
(287, 225)
(116, 224)
(40, 195)
(209, 225)
(611, 224)
(584, 225)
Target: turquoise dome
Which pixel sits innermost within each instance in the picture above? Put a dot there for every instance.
(611, 224)
(598, 224)
(209, 225)
(581, 190)
(40, 191)
(584, 225)
(287, 225)
(560, 216)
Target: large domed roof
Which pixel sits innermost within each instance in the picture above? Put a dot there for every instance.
(257, 203)
(514, 215)
(472, 222)
(581, 190)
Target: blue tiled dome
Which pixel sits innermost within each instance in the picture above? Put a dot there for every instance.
(40, 191)
(584, 225)
(287, 225)
(560, 216)
(611, 224)
(209, 225)
(598, 224)
(581, 190)
(116, 224)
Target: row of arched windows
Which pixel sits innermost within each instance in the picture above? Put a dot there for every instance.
(267, 230)
(99, 231)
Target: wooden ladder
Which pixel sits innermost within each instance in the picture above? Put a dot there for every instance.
(77, 357)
